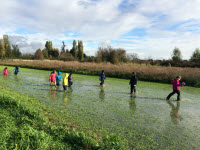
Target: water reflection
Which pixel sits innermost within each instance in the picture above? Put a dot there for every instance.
(53, 94)
(65, 99)
(102, 94)
(132, 104)
(175, 117)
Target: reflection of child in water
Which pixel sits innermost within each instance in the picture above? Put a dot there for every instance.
(52, 78)
(102, 94)
(132, 104)
(5, 72)
(174, 112)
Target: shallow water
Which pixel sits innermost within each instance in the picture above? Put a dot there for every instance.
(146, 121)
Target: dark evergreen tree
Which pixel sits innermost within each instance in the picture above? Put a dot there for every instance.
(80, 51)
(74, 50)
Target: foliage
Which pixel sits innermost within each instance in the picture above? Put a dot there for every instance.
(15, 51)
(109, 54)
(196, 56)
(176, 56)
(27, 56)
(38, 55)
(80, 51)
(2, 48)
(74, 50)
(67, 56)
(63, 47)
(7, 46)
(45, 53)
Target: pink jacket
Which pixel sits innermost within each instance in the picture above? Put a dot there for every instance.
(176, 84)
(5, 71)
(52, 77)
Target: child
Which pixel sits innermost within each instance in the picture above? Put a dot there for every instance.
(176, 88)
(102, 77)
(5, 72)
(52, 78)
(133, 82)
(16, 70)
(58, 78)
(65, 82)
(70, 80)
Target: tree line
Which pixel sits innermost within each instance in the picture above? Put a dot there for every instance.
(103, 54)
(8, 51)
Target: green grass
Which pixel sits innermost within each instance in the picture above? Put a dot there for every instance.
(26, 124)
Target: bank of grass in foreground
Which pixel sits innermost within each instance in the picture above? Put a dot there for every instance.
(26, 124)
(144, 72)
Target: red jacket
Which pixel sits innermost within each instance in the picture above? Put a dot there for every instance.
(176, 84)
(52, 77)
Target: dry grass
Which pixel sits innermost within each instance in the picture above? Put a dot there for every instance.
(148, 73)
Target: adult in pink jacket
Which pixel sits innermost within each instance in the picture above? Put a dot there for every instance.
(5, 72)
(176, 88)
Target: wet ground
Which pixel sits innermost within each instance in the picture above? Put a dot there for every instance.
(146, 120)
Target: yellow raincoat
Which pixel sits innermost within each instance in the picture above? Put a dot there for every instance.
(65, 80)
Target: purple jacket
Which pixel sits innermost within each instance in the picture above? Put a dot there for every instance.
(176, 84)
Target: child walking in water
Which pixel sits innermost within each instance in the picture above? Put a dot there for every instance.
(102, 77)
(5, 72)
(133, 83)
(16, 70)
(70, 82)
(58, 78)
(52, 78)
(65, 82)
(176, 88)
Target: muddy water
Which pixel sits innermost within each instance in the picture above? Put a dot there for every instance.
(146, 120)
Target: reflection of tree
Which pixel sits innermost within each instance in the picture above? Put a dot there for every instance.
(132, 104)
(102, 94)
(174, 112)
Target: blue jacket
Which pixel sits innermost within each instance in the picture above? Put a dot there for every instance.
(58, 79)
(15, 70)
(102, 77)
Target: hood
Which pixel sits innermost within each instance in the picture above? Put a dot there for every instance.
(59, 73)
(66, 75)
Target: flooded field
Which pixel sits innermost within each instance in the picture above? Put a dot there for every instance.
(144, 121)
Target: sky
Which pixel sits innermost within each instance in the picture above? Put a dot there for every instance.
(150, 28)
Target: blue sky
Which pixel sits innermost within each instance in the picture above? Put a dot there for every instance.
(150, 28)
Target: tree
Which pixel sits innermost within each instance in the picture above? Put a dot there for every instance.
(56, 52)
(38, 55)
(7, 46)
(74, 49)
(15, 51)
(196, 55)
(49, 47)
(176, 56)
(63, 47)
(133, 57)
(45, 53)
(2, 48)
(80, 51)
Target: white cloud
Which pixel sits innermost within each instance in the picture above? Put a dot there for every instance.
(167, 24)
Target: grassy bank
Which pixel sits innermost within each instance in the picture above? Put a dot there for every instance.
(26, 124)
(145, 73)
